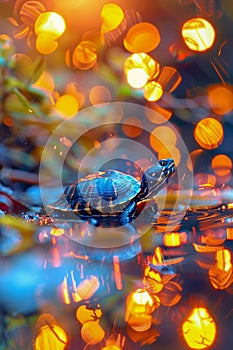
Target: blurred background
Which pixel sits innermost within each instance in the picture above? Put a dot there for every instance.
(92, 85)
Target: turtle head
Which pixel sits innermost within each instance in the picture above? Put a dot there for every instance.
(157, 176)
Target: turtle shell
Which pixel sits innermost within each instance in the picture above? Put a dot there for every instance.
(102, 193)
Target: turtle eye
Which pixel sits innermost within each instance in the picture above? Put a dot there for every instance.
(163, 162)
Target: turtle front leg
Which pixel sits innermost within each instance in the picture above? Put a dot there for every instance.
(128, 214)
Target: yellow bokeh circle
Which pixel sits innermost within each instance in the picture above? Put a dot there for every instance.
(198, 34)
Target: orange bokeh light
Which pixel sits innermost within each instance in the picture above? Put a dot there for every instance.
(84, 55)
(220, 99)
(142, 37)
(208, 133)
(229, 231)
(132, 127)
(51, 337)
(139, 306)
(169, 78)
(92, 333)
(152, 280)
(223, 259)
(157, 114)
(171, 152)
(199, 329)
(56, 232)
(221, 165)
(84, 314)
(162, 137)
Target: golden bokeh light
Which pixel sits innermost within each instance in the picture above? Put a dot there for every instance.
(219, 278)
(152, 280)
(140, 322)
(56, 232)
(67, 105)
(50, 22)
(92, 333)
(142, 37)
(199, 329)
(223, 259)
(85, 314)
(153, 91)
(221, 165)
(220, 98)
(162, 138)
(198, 34)
(51, 337)
(72, 88)
(137, 77)
(172, 239)
(46, 43)
(139, 306)
(142, 299)
(208, 133)
(112, 15)
(139, 68)
(99, 94)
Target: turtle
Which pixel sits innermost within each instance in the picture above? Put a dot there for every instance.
(112, 193)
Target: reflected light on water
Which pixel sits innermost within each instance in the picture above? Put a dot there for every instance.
(51, 337)
(199, 329)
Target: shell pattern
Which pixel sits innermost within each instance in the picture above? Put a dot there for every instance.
(107, 192)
